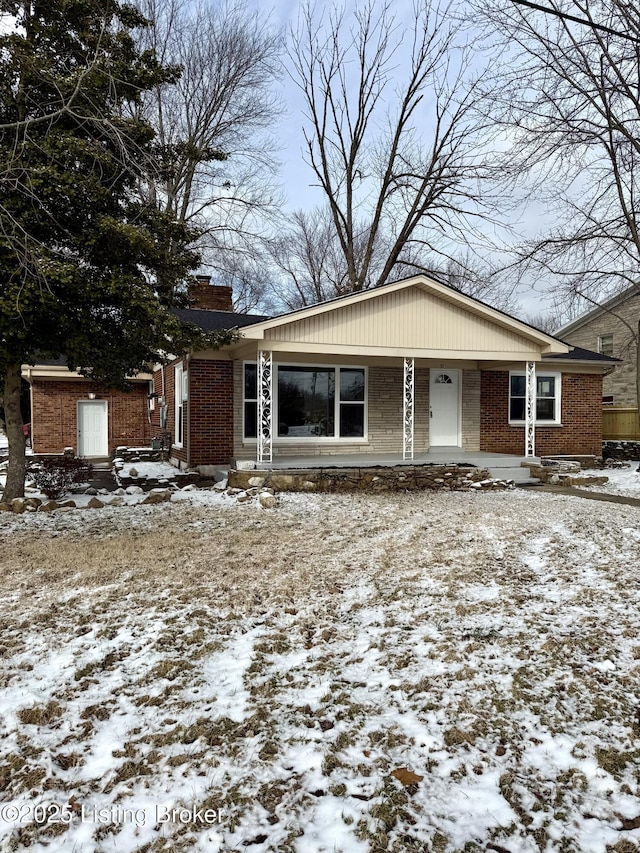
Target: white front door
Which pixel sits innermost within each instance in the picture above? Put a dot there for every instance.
(92, 428)
(444, 408)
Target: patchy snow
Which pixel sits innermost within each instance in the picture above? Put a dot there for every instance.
(622, 481)
(290, 667)
(151, 470)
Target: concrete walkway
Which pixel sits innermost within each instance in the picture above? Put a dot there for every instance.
(572, 492)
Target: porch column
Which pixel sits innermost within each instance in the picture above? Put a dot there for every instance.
(408, 408)
(265, 406)
(530, 411)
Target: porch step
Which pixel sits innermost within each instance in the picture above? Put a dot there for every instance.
(520, 476)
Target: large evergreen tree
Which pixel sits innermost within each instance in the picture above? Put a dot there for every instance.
(84, 270)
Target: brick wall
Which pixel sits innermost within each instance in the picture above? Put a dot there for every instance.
(211, 411)
(55, 423)
(581, 430)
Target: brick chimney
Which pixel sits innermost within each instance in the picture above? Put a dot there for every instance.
(210, 297)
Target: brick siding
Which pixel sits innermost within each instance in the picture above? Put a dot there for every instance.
(55, 424)
(211, 411)
(581, 430)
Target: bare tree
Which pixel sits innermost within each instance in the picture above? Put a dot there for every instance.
(213, 125)
(309, 267)
(393, 133)
(571, 98)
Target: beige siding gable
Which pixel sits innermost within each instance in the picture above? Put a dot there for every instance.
(409, 318)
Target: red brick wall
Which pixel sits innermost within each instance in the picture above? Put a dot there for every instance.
(581, 430)
(55, 423)
(211, 412)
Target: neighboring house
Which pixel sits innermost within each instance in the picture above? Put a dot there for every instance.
(398, 369)
(605, 329)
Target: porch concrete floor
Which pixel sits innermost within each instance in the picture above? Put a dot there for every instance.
(435, 455)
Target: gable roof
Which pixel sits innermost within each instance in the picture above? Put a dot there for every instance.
(593, 313)
(417, 314)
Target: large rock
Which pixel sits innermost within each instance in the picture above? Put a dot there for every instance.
(95, 503)
(267, 501)
(157, 496)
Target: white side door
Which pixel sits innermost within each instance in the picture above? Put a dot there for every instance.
(444, 408)
(92, 428)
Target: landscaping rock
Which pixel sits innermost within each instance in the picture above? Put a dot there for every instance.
(221, 485)
(257, 482)
(18, 505)
(5, 507)
(243, 497)
(133, 472)
(90, 491)
(116, 500)
(48, 506)
(157, 496)
(267, 501)
(134, 490)
(95, 503)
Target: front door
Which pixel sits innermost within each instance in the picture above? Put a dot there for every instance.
(92, 428)
(444, 408)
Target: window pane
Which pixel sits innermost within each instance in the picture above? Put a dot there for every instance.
(250, 420)
(352, 385)
(518, 386)
(516, 409)
(351, 421)
(251, 381)
(546, 386)
(306, 401)
(545, 409)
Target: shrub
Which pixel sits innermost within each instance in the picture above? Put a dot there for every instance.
(55, 475)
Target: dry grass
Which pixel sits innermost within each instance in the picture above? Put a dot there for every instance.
(487, 641)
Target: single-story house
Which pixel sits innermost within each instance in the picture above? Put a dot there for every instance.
(399, 369)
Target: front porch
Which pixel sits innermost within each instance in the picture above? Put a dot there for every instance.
(500, 466)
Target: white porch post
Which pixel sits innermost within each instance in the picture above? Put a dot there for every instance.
(530, 411)
(408, 408)
(265, 406)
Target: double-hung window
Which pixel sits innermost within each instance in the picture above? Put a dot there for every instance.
(547, 398)
(311, 402)
(181, 393)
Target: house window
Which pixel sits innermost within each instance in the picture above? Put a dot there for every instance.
(310, 402)
(181, 394)
(605, 345)
(251, 401)
(547, 398)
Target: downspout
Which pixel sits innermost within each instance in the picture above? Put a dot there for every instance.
(30, 381)
(188, 418)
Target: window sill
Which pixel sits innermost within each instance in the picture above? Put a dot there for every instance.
(537, 424)
(310, 440)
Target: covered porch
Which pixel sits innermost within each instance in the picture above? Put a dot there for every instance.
(500, 466)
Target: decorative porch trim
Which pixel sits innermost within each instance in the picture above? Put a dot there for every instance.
(265, 406)
(408, 408)
(530, 410)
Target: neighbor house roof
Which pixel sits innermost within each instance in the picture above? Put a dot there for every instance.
(609, 305)
(580, 354)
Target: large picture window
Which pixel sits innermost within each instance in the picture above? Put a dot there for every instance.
(547, 398)
(310, 402)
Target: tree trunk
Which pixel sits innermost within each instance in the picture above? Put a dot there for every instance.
(14, 487)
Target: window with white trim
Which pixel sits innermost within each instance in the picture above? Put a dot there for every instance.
(548, 387)
(311, 402)
(181, 393)
(605, 345)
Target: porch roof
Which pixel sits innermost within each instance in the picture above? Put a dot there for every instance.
(417, 317)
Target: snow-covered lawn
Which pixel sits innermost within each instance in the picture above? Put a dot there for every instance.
(422, 672)
(622, 481)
